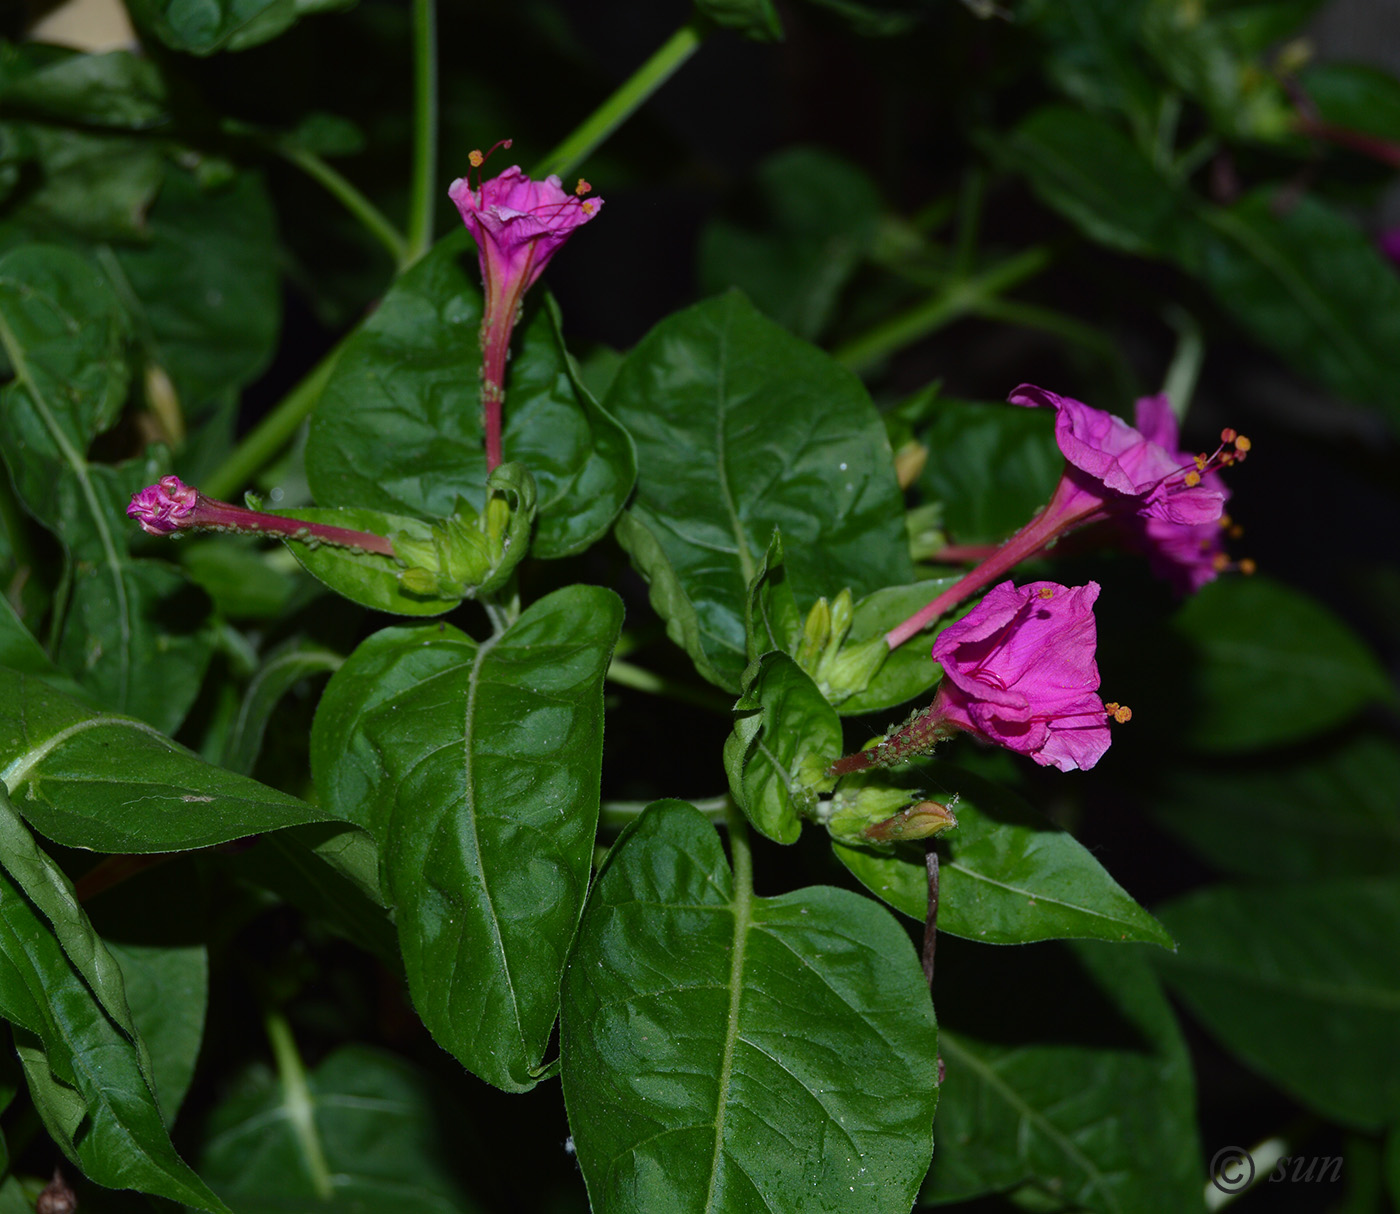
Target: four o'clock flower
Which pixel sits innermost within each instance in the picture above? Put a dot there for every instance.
(518, 225)
(170, 505)
(1018, 670)
(1112, 471)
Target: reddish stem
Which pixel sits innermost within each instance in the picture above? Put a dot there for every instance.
(956, 554)
(1026, 543)
(222, 516)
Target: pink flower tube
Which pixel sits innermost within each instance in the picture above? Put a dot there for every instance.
(1112, 471)
(518, 225)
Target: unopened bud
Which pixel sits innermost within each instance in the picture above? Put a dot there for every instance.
(921, 821)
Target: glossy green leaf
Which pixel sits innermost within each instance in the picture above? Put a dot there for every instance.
(773, 623)
(1317, 813)
(378, 1122)
(1083, 1100)
(740, 428)
(1272, 666)
(202, 27)
(116, 89)
(167, 990)
(205, 284)
(991, 467)
(114, 784)
(398, 427)
(822, 213)
(82, 1058)
(785, 736)
(93, 186)
(63, 332)
(1008, 876)
(726, 1052)
(21, 652)
(1306, 282)
(476, 766)
(283, 670)
(1086, 168)
(1300, 980)
(910, 670)
(365, 578)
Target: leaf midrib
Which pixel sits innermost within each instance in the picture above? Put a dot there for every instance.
(24, 377)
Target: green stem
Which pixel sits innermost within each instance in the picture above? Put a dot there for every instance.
(627, 675)
(425, 132)
(274, 431)
(959, 298)
(628, 98)
(617, 814)
(296, 1097)
(351, 199)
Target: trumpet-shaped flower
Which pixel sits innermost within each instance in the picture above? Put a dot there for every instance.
(1019, 670)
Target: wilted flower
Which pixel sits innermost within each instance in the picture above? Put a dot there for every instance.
(166, 506)
(1019, 670)
(170, 505)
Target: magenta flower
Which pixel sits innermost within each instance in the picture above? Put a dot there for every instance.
(170, 505)
(518, 225)
(1019, 670)
(1389, 243)
(1111, 466)
(1186, 554)
(166, 506)
(1112, 471)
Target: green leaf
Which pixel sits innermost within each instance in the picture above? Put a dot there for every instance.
(331, 872)
(1086, 168)
(202, 27)
(114, 784)
(205, 285)
(398, 427)
(1355, 96)
(785, 736)
(82, 1058)
(1081, 1101)
(1093, 54)
(1305, 281)
(477, 767)
(115, 89)
(910, 670)
(19, 651)
(726, 1052)
(822, 215)
(1300, 981)
(287, 666)
(1325, 813)
(991, 467)
(1272, 666)
(773, 623)
(756, 19)
(63, 332)
(378, 1120)
(366, 578)
(90, 186)
(1008, 876)
(740, 427)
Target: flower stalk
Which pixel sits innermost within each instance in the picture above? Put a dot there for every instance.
(171, 506)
